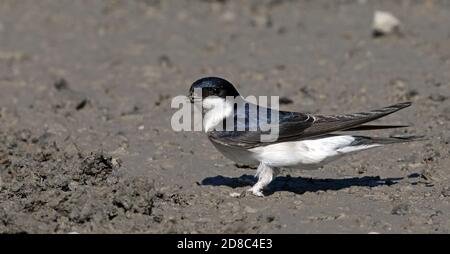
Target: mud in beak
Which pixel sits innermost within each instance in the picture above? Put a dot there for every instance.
(194, 97)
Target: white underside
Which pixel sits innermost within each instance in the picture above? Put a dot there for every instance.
(307, 154)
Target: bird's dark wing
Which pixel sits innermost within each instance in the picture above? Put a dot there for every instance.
(295, 126)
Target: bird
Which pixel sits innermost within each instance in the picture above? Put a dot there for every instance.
(302, 140)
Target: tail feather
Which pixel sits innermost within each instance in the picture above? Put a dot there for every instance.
(332, 123)
(362, 140)
(369, 127)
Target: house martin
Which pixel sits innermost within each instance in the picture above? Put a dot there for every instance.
(301, 140)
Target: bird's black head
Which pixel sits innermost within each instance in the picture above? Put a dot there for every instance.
(211, 86)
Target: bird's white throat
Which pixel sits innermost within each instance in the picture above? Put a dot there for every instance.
(215, 110)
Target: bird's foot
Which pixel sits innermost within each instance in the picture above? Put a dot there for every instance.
(256, 191)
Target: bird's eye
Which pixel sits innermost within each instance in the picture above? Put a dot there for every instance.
(215, 90)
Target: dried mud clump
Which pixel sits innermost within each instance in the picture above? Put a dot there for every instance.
(44, 189)
(96, 168)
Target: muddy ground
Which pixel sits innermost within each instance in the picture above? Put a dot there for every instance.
(85, 139)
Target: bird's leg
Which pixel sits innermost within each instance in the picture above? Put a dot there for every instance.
(265, 176)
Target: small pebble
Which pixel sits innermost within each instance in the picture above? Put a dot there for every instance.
(384, 23)
(235, 194)
(401, 209)
(285, 101)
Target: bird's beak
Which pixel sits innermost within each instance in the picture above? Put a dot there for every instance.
(193, 97)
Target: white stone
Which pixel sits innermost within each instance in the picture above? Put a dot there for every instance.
(385, 23)
(235, 195)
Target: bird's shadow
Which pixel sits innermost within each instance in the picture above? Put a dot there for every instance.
(300, 185)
